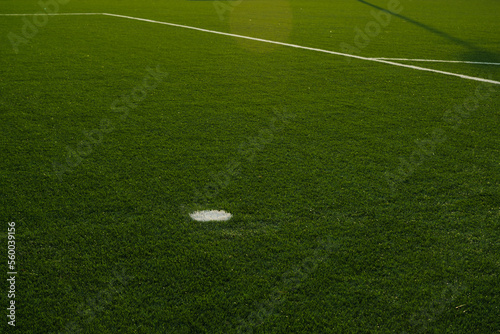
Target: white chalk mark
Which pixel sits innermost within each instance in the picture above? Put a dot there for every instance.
(463, 76)
(440, 61)
(377, 60)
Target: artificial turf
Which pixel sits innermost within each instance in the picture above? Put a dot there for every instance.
(365, 197)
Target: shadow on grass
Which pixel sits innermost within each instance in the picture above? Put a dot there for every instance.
(476, 53)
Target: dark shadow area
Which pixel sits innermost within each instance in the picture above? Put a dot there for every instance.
(476, 53)
(480, 55)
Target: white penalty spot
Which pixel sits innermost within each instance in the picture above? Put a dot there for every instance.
(210, 215)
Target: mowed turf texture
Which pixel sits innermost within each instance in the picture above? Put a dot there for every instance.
(365, 196)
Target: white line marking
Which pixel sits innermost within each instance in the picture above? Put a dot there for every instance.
(440, 61)
(311, 49)
(377, 60)
(53, 14)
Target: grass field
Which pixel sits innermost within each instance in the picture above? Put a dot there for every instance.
(365, 195)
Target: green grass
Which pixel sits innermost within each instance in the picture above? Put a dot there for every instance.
(320, 242)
